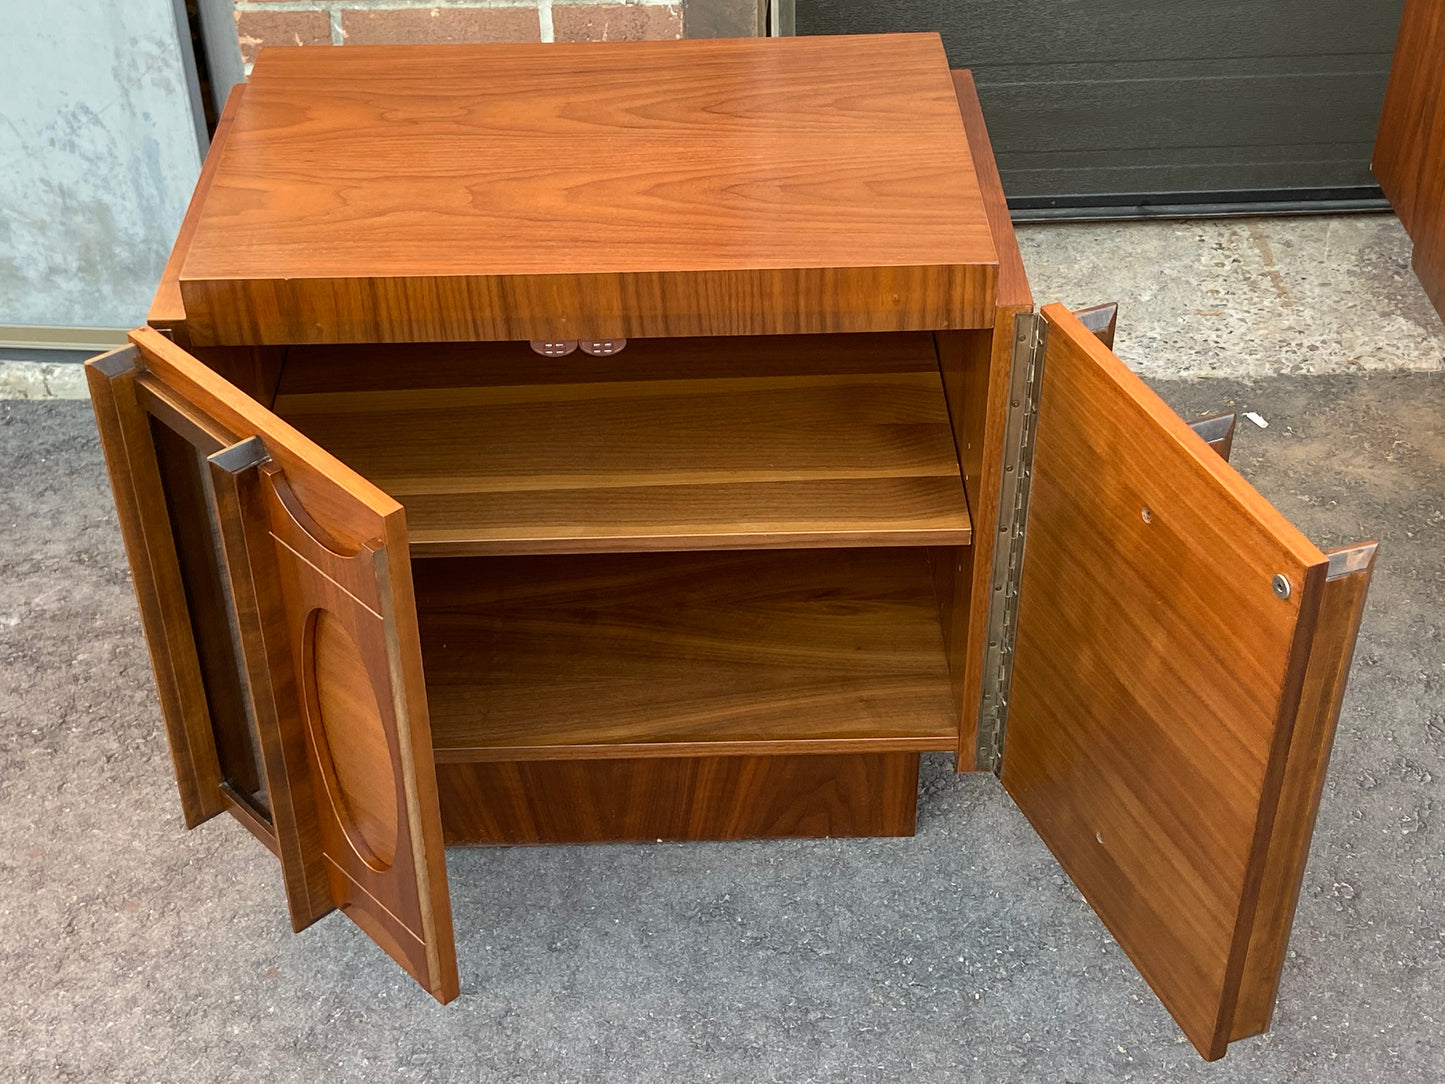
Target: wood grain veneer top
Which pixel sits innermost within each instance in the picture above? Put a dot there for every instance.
(596, 188)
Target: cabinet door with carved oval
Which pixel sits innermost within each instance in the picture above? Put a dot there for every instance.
(320, 574)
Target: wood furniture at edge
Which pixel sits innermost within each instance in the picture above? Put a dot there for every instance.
(407, 582)
(1409, 158)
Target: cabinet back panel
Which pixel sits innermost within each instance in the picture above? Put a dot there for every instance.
(670, 445)
(634, 655)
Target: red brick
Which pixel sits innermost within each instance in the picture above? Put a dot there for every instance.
(410, 26)
(258, 28)
(616, 22)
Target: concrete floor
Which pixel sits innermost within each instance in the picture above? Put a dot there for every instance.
(132, 950)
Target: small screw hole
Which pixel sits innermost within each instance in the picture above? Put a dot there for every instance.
(1148, 515)
(1099, 836)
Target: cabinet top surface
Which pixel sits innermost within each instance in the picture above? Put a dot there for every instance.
(598, 158)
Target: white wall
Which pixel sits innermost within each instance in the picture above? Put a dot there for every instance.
(99, 150)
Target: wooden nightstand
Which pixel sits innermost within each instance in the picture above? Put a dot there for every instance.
(409, 580)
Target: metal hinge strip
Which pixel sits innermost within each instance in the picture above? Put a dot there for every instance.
(1025, 374)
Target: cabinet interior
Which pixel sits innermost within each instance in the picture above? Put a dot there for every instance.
(672, 444)
(745, 543)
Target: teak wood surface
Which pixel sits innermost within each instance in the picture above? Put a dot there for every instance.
(179, 455)
(330, 603)
(744, 443)
(592, 190)
(1342, 606)
(975, 367)
(168, 309)
(1409, 158)
(680, 798)
(535, 658)
(1162, 686)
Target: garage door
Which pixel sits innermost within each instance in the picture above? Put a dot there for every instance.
(1146, 106)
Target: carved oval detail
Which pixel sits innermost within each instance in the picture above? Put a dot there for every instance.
(350, 736)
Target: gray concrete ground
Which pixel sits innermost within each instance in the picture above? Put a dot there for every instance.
(132, 950)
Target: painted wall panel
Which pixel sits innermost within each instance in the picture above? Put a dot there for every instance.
(99, 150)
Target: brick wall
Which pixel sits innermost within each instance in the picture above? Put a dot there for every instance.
(373, 22)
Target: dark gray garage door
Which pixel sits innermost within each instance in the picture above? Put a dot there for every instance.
(1143, 104)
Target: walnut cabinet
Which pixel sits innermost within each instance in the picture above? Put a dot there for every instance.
(415, 572)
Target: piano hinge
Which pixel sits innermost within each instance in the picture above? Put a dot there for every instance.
(1026, 370)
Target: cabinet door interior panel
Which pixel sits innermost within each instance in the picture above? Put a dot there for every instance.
(823, 455)
(671, 654)
(1167, 616)
(151, 551)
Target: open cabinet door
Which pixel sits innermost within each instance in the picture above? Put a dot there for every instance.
(1180, 655)
(318, 592)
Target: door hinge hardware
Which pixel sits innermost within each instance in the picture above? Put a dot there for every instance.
(1025, 373)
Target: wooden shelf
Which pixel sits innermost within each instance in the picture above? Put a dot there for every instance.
(547, 658)
(818, 441)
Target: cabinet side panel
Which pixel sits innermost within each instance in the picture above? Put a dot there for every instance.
(981, 390)
(1013, 282)
(1341, 607)
(255, 370)
(977, 382)
(1410, 148)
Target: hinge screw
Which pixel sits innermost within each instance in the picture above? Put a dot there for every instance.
(1281, 585)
